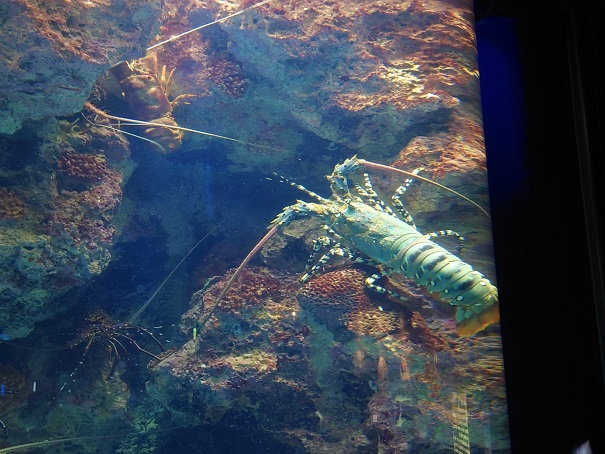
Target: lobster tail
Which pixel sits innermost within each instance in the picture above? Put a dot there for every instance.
(469, 322)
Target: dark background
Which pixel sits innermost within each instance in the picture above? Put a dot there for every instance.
(543, 109)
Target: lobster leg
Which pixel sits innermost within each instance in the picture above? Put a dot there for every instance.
(371, 284)
(336, 250)
(447, 232)
(398, 204)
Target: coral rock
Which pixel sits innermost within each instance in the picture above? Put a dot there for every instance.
(260, 361)
(85, 167)
(10, 205)
(228, 76)
(52, 51)
(338, 298)
(64, 237)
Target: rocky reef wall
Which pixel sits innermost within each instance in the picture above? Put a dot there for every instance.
(327, 368)
(53, 51)
(60, 182)
(322, 366)
(312, 83)
(60, 189)
(316, 79)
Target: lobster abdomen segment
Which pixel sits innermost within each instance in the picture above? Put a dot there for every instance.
(440, 271)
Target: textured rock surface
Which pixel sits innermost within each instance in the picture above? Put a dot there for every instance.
(53, 51)
(316, 78)
(62, 187)
(60, 184)
(394, 81)
(322, 368)
(383, 384)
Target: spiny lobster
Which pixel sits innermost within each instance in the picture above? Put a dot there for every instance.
(368, 228)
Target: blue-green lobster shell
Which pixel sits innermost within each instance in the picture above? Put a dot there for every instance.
(384, 238)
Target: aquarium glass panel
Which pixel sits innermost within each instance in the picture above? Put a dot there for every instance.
(238, 226)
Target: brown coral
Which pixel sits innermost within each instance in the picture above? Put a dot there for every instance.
(203, 57)
(87, 181)
(82, 230)
(229, 77)
(11, 206)
(255, 287)
(90, 191)
(82, 167)
(338, 298)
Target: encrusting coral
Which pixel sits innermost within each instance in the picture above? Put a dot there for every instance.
(11, 206)
(64, 201)
(86, 167)
(338, 298)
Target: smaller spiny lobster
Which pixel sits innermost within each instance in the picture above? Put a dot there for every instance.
(115, 337)
(363, 227)
(146, 90)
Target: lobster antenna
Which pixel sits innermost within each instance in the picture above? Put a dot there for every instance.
(237, 272)
(93, 437)
(133, 122)
(375, 165)
(208, 24)
(300, 187)
(165, 281)
(153, 142)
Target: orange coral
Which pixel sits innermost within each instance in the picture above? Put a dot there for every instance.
(10, 205)
(460, 149)
(255, 286)
(338, 298)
